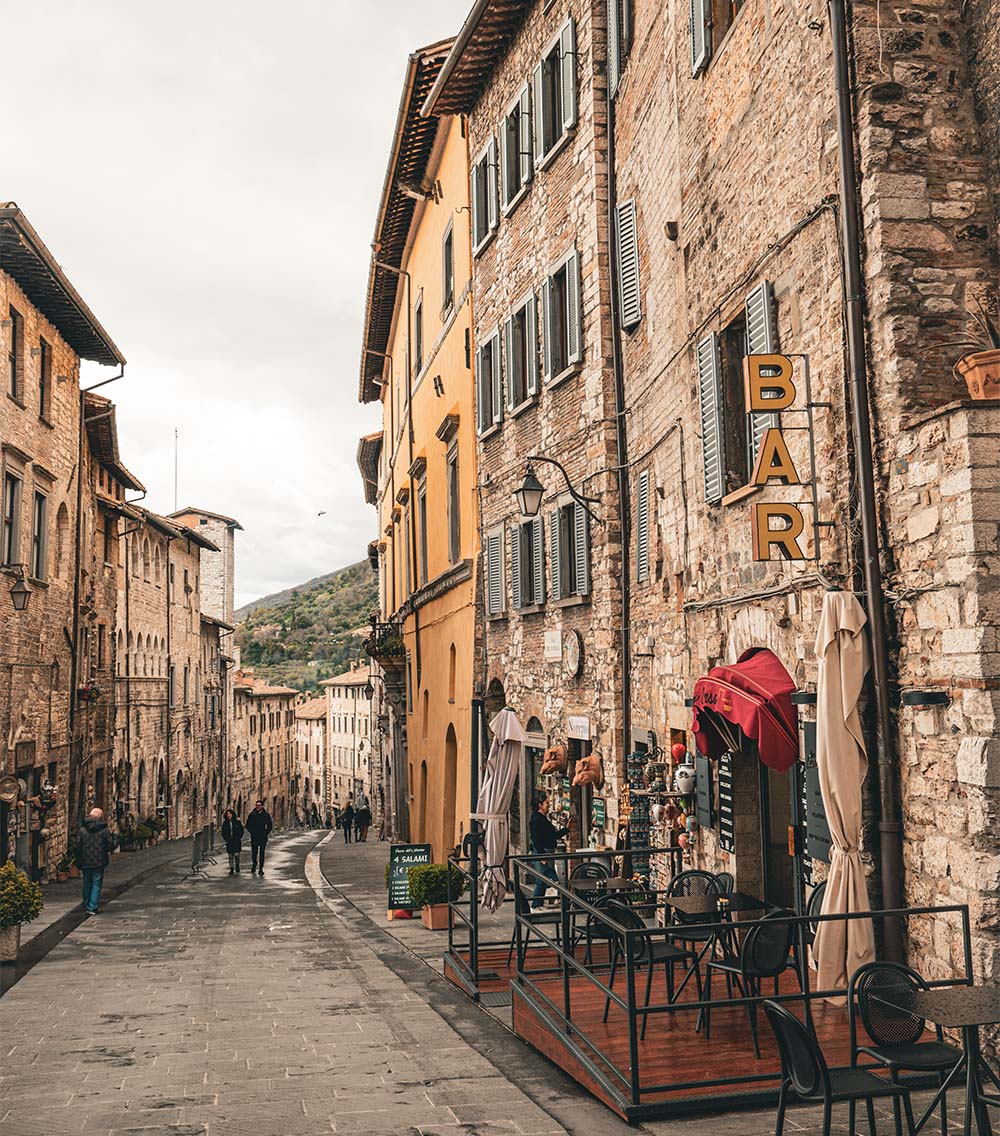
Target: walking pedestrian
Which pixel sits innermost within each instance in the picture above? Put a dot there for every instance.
(232, 834)
(544, 837)
(94, 844)
(259, 825)
(363, 819)
(347, 818)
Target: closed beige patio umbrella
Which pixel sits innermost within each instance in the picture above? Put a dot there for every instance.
(493, 806)
(843, 654)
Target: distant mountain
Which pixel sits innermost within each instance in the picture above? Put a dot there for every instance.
(304, 634)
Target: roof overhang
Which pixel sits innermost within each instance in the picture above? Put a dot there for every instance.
(25, 258)
(191, 511)
(168, 528)
(210, 619)
(478, 47)
(369, 452)
(102, 435)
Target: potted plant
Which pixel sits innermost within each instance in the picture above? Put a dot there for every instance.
(62, 869)
(20, 902)
(429, 891)
(71, 868)
(981, 367)
(143, 833)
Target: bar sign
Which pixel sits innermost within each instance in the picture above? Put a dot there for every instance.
(727, 818)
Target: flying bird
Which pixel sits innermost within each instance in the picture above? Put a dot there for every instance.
(321, 513)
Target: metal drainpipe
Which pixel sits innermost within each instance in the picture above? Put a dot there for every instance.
(624, 502)
(890, 837)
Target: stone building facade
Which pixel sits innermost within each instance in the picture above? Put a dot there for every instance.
(349, 737)
(312, 794)
(262, 747)
(218, 568)
(45, 329)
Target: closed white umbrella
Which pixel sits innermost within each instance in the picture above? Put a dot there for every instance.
(842, 650)
(493, 806)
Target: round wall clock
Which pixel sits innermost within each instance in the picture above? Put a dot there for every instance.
(572, 653)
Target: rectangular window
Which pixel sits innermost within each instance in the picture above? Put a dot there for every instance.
(562, 337)
(44, 380)
(102, 633)
(515, 150)
(110, 538)
(448, 270)
(422, 527)
(554, 93)
(521, 334)
(483, 197)
(619, 40)
(172, 685)
(569, 540)
(187, 675)
(489, 383)
(527, 563)
(418, 335)
(15, 355)
(408, 552)
(454, 507)
(39, 535)
(11, 519)
(494, 572)
(629, 292)
(642, 526)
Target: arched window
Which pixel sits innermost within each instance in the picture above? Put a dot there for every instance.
(145, 559)
(452, 656)
(317, 786)
(157, 565)
(62, 542)
(135, 555)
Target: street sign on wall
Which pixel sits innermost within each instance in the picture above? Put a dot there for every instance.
(402, 857)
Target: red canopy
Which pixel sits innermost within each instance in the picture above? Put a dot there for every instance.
(754, 695)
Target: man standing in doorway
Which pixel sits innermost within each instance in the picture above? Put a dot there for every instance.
(259, 826)
(544, 838)
(94, 844)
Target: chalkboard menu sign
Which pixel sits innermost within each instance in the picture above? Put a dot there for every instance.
(402, 857)
(818, 840)
(703, 791)
(727, 818)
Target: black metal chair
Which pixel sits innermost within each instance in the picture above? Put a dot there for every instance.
(531, 917)
(806, 1075)
(685, 927)
(648, 952)
(595, 930)
(765, 953)
(895, 1033)
(727, 882)
(814, 905)
(590, 870)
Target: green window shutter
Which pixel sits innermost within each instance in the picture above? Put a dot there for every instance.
(492, 200)
(614, 45)
(481, 422)
(762, 339)
(574, 330)
(515, 566)
(701, 39)
(567, 72)
(512, 362)
(581, 549)
(538, 116)
(538, 550)
(628, 264)
(642, 527)
(531, 347)
(474, 203)
(504, 153)
(555, 554)
(547, 324)
(497, 374)
(494, 573)
(712, 436)
(524, 140)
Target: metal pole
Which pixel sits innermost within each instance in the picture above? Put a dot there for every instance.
(890, 860)
(474, 835)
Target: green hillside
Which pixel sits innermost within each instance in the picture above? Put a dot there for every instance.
(305, 634)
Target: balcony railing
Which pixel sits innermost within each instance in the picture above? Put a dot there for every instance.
(385, 641)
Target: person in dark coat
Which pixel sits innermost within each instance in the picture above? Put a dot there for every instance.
(232, 834)
(544, 837)
(94, 844)
(363, 817)
(347, 819)
(259, 825)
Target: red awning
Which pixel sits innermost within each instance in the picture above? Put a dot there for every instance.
(754, 695)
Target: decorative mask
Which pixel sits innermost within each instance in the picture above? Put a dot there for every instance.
(589, 771)
(554, 760)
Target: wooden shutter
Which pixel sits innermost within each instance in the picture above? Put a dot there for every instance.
(524, 139)
(497, 376)
(481, 422)
(531, 347)
(505, 193)
(628, 264)
(712, 437)
(494, 572)
(515, 566)
(538, 112)
(512, 362)
(581, 549)
(762, 339)
(474, 177)
(538, 565)
(555, 553)
(614, 45)
(701, 43)
(547, 324)
(642, 527)
(567, 72)
(574, 331)
(491, 184)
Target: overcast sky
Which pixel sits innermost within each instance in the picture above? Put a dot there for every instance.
(207, 172)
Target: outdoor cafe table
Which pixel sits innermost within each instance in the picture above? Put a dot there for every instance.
(965, 1008)
(695, 905)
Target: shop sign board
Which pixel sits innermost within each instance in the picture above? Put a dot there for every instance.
(818, 839)
(703, 791)
(598, 808)
(727, 817)
(578, 727)
(402, 857)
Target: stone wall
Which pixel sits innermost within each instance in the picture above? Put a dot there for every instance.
(982, 39)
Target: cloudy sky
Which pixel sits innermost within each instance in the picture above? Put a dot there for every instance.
(207, 172)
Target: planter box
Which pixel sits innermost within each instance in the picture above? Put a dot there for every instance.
(981, 372)
(10, 941)
(435, 916)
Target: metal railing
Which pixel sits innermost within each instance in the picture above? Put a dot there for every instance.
(385, 640)
(555, 1007)
(464, 943)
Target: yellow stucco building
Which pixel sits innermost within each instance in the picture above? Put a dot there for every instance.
(420, 470)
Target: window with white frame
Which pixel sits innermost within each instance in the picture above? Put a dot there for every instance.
(448, 269)
(562, 335)
(11, 518)
(569, 551)
(483, 196)
(493, 572)
(489, 383)
(521, 347)
(39, 535)
(553, 86)
(709, 21)
(619, 40)
(527, 563)
(454, 506)
(516, 150)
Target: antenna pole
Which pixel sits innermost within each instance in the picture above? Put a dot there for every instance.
(176, 505)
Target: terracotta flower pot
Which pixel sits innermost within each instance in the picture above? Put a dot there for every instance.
(981, 371)
(62, 877)
(75, 872)
(10, 941)
(434, 916)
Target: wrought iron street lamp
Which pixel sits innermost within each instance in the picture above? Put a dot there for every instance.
(529, 495)
(20, 593)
